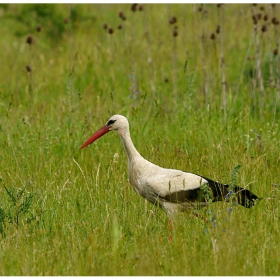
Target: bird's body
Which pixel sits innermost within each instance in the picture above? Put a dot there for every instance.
(173, 190)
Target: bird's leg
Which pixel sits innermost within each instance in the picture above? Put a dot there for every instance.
(170, 229)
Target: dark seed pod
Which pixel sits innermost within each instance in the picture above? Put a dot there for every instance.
(133, 7)
(173, 20)
(255, 19)
(218, 29)
(264, 28)
(28, 68)
(29, 39)
(105, 26)
(275, 51)
(274, 20)
(213, 36)
(39, 28)
(175, 33)
(110, 30)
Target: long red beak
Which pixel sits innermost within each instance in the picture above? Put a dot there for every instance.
(103, 130)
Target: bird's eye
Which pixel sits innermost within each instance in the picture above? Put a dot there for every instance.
(110, 122)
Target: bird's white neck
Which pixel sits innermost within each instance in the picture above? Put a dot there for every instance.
(131, 151)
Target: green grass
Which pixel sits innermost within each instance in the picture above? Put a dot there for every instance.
(69, 212)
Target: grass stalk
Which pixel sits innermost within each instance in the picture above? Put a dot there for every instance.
(222, 58)
(203, 57)
(149, 56)
(276, 39)
(258, 54)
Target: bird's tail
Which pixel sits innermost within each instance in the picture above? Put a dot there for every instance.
(223, 192)
(245, 197)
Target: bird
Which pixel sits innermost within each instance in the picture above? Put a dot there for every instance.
(172, 190)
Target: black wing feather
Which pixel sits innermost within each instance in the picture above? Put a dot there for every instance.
(218, 192)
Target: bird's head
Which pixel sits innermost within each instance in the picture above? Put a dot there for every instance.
(116, 122)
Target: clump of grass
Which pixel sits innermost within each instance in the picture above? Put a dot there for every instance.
(18, 209)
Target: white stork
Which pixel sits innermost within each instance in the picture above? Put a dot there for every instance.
(173, 190)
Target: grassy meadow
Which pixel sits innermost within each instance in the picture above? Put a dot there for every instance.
(200, 86)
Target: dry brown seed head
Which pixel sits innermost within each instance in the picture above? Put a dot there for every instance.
(275, 21)
(141, 8)
(255, 19)
(265, 17)
(213, 36)
(264, 28)
(65, 21)
(173, 20)
(28, 68)
(105, 26)
(39, 28)
(133, 7)
(166, 80)
(121, 14)
(175, 33)
(259, 16)
(29, 39)
(120, 26)
(218, 29)
(110, 30)
(275, 51)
